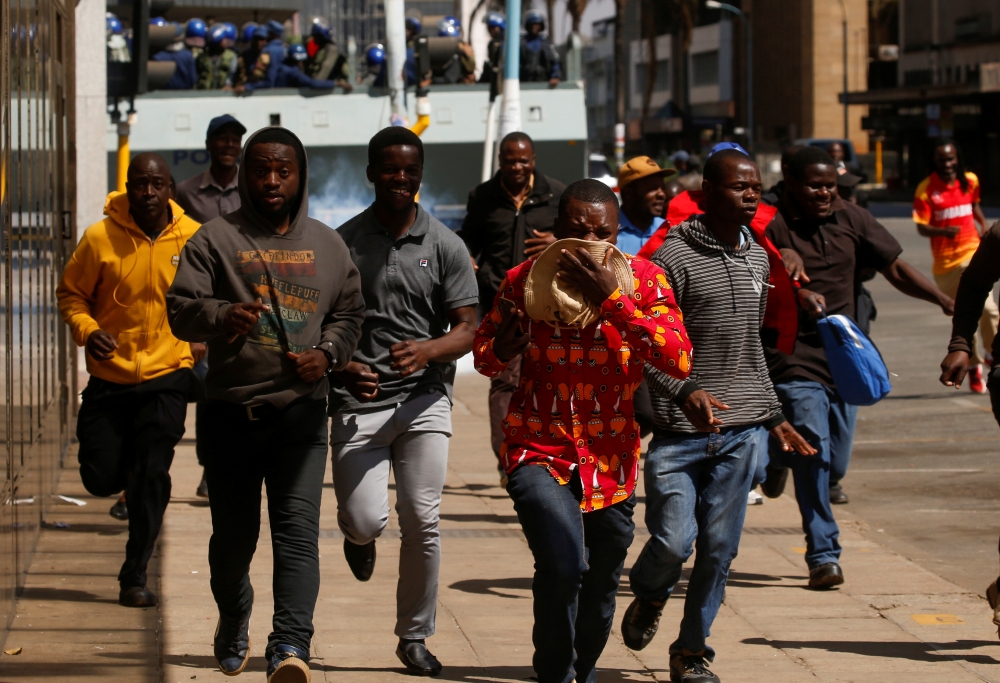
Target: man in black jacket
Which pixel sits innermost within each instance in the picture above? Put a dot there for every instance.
(509, 220)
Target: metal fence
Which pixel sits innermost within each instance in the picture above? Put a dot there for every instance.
(36, 228)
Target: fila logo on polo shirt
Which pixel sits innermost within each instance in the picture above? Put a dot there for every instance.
(423, 263)
(175, 260)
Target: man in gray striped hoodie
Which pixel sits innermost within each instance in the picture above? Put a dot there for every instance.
(699, 467)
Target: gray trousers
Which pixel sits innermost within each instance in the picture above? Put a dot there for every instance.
(411, 438)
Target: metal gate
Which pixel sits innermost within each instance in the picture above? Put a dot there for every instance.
(36, 201)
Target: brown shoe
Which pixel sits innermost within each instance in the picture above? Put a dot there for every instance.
(826, 576)
(136, 596)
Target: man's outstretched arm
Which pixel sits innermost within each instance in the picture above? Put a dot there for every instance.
(912, 282)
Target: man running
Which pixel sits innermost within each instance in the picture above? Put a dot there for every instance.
(835, 239)
(946, 210)
(976, 287)
(700, 464)
(112, 296)
(571, 446)
(278, 299)
(394, 408)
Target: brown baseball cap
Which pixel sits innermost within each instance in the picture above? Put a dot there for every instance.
(640, 167)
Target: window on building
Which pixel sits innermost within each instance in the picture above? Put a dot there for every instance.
(662, 78)
(705, 68)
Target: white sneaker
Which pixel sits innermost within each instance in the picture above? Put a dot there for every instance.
(755, 498)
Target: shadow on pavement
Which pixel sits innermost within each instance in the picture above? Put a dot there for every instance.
(914, 651)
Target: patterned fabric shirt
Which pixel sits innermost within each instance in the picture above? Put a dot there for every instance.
(573, 408)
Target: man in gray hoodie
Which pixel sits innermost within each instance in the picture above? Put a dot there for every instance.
(699, 467)
(277, 298)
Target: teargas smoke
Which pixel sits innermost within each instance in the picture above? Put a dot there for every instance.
(346, 192)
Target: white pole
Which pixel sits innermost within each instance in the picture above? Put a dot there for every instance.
(491, 134)
(510, 118)
(395, 31)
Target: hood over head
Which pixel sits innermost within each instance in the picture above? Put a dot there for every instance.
(300, 210)
(117, 207)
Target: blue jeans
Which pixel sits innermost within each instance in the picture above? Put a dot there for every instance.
(823, 419)
(696, 494)
(578, 564)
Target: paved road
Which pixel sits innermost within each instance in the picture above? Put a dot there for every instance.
(925, 475)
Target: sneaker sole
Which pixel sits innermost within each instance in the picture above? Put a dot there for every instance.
(292, 670)
(246, 660)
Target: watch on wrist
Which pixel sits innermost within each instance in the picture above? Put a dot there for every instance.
(326, 347)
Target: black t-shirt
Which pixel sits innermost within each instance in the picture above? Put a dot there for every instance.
(833, 249)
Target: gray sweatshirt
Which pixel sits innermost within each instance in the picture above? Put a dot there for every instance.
(722, 292)
(306, 276)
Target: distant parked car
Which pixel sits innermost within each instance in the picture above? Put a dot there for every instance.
(600, 170)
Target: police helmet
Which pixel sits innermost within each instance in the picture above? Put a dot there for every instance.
(496, 20)
(158, 21)
(230, 33)
(195, 28)
(113, 24)
(216, 34)
(447, 29)
(534, 16)
(249, 29)
(375, 55)
(320, 28)
(298, 52)
(260, 32)
(413, 24)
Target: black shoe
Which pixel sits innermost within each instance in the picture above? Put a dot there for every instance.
(360, 558)
(287, 664)
(837, 495)
(826, 576)
(232, 643)
(640, 622)
(774, 485)
(417, 659)
(119, 511)
(136, 596)
(202, 490)
(691, 669)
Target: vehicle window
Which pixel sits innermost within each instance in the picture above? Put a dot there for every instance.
(599, 169)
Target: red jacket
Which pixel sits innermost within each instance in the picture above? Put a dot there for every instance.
(782, 312)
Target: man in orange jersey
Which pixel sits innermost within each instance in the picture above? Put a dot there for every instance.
(113, 297)
(946, 209)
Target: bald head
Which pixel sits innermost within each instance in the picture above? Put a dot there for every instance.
(148, 190)
(148, 162)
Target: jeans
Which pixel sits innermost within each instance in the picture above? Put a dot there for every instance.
(127, 436)
(412, 439)
(823, 419)
(696, 496)
(285, 450)
(578, 564)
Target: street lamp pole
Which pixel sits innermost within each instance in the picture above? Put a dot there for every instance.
(748, 39)
(847, 123)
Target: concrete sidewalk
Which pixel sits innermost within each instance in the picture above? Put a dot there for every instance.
(891, 619)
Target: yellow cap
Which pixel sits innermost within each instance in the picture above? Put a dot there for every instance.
(640, 167)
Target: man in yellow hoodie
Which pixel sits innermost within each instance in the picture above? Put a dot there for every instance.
(113, 297)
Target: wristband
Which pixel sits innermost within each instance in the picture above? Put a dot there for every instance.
(331, 361)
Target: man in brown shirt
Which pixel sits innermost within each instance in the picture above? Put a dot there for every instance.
(215, 192)
(837, 240)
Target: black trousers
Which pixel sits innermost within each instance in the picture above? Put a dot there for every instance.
(127, 436)
(578, 565)
(286, 451)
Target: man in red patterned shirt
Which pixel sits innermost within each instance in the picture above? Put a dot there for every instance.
(571, 448)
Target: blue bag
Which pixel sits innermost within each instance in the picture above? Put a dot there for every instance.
(856, 365)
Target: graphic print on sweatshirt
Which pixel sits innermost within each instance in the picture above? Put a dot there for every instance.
(270, 274)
